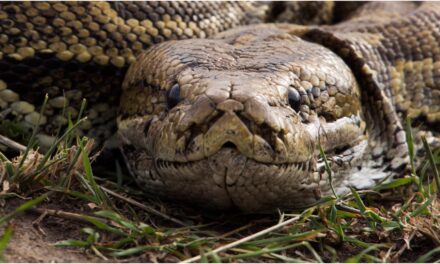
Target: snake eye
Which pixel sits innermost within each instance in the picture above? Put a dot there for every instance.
(294, 99)
(173, 96)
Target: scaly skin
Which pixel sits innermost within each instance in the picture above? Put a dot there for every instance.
(76, 50)
(233, 140)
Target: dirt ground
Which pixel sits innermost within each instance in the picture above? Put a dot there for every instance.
(34, 238)
(35, 242)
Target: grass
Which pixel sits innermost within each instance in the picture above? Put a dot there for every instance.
(397, 221)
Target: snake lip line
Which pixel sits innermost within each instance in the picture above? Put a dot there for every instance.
(310, 165)
(303, 166)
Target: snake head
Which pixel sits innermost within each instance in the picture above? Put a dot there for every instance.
(238, 120)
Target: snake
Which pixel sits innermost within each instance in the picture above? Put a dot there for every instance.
(217, 109)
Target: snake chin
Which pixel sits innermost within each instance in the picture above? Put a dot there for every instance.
(229, 179)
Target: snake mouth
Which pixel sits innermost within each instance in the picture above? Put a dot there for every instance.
(339, 146)
(229, 152)
(228, 179)
(161, 164)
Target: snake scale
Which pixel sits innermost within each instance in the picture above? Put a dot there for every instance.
(223, 115)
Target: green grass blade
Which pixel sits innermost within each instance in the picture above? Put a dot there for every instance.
(286, 259)
(215, 258)
(394, 184)
(25, 206)
(118, 219)
(10, 172)
(72, 243)
(362, 254)
(359, 201)
(100, 195)
(204, 258)
(423, 207)
(389, 226)
(333, 253)
(32, 141)
(362, 244)
(432, 162)
(70, 137)
(65, 182)
(54, 146)
(76, 194)
(333, 213)
(286, 238)
(133, 251)
(264, 251)
(339, 231)
(313, 251)
(110, 215)
(428, 256)
(3, 158)
(410, 144)
(327, 169)
(4, 241)
(119, 176)
(101, 225)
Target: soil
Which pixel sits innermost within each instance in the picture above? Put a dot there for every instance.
(35, 243)
(34, 238)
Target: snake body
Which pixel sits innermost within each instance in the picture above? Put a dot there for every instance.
(242, 118)
(76, 50)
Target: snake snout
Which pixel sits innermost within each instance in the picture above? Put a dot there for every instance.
(264, 141)
(226, 124)
(229, 130)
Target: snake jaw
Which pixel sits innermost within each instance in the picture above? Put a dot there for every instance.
(230, 178)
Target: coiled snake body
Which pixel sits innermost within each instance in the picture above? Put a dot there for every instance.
(237, 118)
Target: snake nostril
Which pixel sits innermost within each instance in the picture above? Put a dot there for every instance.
(263, 130)
(229, 145)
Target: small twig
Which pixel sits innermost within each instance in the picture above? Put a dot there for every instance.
(36, 223)
(65, 215)
(306, 259)
(405, 247)
(144, 207)
(348, 209)
(98, 253)
(225, 235)
(429, 232)
(388, 254)
(12, 144)
(243, 240)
